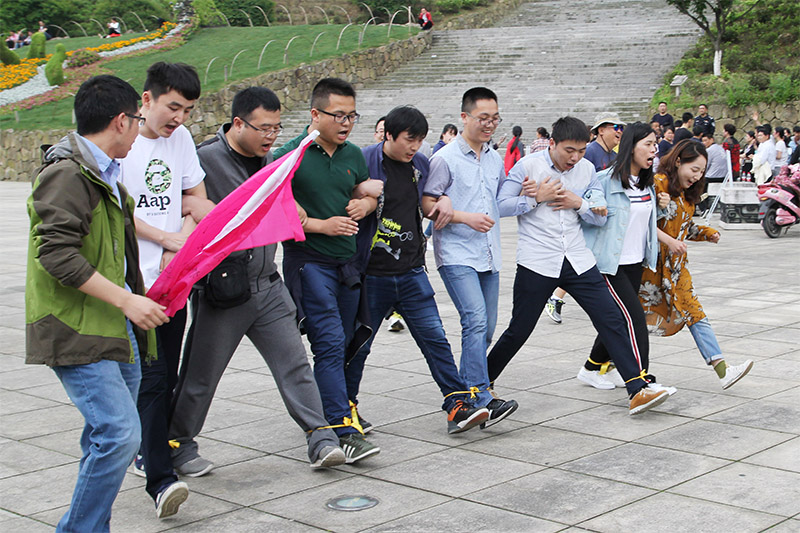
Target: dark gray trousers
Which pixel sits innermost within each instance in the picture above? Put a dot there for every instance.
(268, 320)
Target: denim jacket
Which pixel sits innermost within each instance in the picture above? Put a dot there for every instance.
(606, 241)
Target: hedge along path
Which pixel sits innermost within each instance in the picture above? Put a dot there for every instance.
(224, 43)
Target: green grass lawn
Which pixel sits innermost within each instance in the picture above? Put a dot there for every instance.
(224, 44)
(74, 43)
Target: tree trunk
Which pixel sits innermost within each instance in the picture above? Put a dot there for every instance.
(717, 61)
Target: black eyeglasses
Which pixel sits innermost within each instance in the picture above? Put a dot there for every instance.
(272, 131)
(341, 118)
(619, 127)
(136, 117)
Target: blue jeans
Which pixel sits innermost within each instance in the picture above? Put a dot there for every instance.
(475, 296)
(105, 393)
(411, 295)
(706, 340)
(330, 309)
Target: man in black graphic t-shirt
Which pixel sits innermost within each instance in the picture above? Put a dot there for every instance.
(396, 276)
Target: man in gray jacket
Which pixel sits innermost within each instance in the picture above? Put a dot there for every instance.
(239, 150)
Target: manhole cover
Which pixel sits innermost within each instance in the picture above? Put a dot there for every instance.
(352, 503)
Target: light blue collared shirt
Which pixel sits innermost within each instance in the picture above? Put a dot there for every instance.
(109, 168)
(471, 183)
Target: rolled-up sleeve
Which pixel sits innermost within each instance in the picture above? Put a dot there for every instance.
(439, 178)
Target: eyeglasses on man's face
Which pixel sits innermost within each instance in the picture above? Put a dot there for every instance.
(272, 131)
(140, 118)
(487, 121)
(341, 118)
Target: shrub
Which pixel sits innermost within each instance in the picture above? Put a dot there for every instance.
(237, 18)
(783, 89)
(146, 9)
(82, 57)
(739, 93)
(53, 70)
(759, 81)
(207, 12)
(7, 56)
(37, 46)
(447, 6)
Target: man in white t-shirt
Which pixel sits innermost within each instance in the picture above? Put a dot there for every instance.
(161, 169)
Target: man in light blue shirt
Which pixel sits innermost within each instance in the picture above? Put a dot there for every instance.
(461, 195)
(550, 192)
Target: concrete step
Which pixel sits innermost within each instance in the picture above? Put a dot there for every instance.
(546, 59)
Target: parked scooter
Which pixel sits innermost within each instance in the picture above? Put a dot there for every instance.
(779, 208)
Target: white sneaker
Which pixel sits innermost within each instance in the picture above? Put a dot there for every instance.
(615, 377)
(658, 388)
(734, 373)
(593, 378)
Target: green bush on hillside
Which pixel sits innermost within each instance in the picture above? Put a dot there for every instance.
(232, 8)
(16, 14)
(54, 70)
(207, 13)
(7, 56)
(146, 9)
(447, 6)
(37, 46)
(760, 62)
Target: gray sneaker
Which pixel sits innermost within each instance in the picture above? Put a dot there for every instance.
(356, 447)
(195, 467)
(329, 456)
(553, 308)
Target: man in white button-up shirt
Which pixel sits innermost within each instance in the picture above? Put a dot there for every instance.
(551, 192)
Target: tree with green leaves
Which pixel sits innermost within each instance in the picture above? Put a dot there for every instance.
(713, 17)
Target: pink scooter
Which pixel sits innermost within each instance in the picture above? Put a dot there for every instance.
(778, 209)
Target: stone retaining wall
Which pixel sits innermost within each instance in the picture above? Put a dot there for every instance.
(775, 114)
(19, 150)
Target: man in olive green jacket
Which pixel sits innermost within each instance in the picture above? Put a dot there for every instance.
(86, 315)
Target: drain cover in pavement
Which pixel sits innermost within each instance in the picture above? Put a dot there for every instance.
(352, 503)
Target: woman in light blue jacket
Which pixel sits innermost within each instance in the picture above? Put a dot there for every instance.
(624, 245)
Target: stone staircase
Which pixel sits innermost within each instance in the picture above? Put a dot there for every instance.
(546, 59)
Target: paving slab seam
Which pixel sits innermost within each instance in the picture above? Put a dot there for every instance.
(782, 517)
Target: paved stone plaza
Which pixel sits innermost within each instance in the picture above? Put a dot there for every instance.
(569, 459)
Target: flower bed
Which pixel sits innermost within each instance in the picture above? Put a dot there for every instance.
(13, 75)
(86, 68)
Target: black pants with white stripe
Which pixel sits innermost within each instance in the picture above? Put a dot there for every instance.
(624, 288)
(531, 291)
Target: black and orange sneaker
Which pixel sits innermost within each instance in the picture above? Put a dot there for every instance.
(464, 416)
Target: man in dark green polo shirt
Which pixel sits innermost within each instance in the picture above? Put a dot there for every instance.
(324, 273)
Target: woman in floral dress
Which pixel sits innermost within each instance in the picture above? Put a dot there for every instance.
(667, 295)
